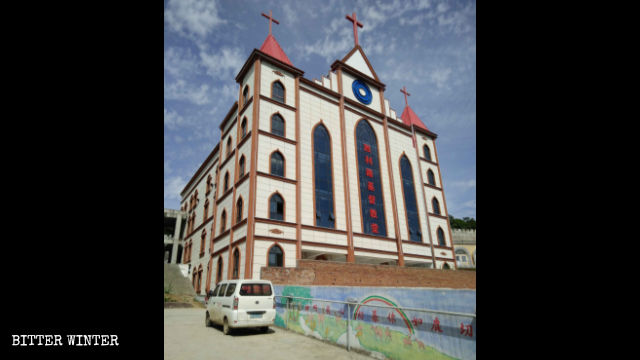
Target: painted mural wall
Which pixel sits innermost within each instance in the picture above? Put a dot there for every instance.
(386, 333)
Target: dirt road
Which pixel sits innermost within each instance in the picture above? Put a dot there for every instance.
(186, 337)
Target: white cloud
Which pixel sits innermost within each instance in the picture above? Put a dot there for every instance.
(223, 64)
(172, 119)
(440, 77)
(173, 186)
(197, 17)
(181, 90)
(464, 184)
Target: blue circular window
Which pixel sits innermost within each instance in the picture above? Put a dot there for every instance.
(361, 92)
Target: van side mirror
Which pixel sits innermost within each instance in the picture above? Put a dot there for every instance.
(210, 293)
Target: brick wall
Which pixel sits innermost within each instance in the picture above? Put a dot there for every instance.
(313, 272)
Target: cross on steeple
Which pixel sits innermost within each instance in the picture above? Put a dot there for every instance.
(356, 23)
(271, 19)
(404, 91)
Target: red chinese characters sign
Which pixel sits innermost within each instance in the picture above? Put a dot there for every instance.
(370, 183)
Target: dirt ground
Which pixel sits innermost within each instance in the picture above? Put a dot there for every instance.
(181, 301)
(186, 337)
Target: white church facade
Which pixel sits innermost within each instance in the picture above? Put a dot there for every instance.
(315, 169)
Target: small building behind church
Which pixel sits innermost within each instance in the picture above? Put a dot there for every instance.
(319, 169)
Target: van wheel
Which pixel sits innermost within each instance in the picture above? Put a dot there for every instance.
(207, 320)
(225, 327)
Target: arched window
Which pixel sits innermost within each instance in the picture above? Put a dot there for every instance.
(245, 95)
(219, 272)
(239, 210)
(276, 164)
(198, 290)
(243, 128)
(226, 181)
(241, 167)
(410, 202)
(441, 241)
(372, 205)
(206, 209)
(203, 236)
(276, 256)
(436, 206)
(276, 207)
(277, 91)
(229, 146)
(208, 185)
(223, 221)
(236, 263)
(446, 266)
(277, 125)
(431, 178)
(323, 177)
(427, 152)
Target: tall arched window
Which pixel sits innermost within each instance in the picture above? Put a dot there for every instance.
(219, 272)
(226, 181)
(229, 146)
(277, 125)
(206, 210)
(199, 279)
(277, 91)
(276, 164)
(236, 263)
(323, 177)
(239, 210)
(427, 152)
(436, 206)
(241, 167)
(243, 127)
(410, 202)
(276, 256)
(276, 207)
(203, 236)
(441, 241)
(223, 221)
(373, 221)
(431, 178)
(245, 95)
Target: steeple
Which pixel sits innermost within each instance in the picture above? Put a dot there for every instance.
(270, 46)
(408, 116)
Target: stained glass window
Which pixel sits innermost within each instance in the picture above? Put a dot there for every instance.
(277, 125)
(276, 207)
(323, 178)
(277, 164)
(369, 172)
(410, 200)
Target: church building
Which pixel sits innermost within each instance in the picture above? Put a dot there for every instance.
(315, 169)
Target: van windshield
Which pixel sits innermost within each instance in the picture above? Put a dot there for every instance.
(255, 290)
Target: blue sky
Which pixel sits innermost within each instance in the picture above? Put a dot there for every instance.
(428, 46)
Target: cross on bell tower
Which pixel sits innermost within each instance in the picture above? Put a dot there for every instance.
(271, 19)
(356, 24)
(404, 91)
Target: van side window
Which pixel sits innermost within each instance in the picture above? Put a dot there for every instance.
(216, 290)
(222, 288)
(230, 289)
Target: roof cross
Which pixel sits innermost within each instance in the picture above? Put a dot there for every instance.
(404, 91)
(356, 23)
(271, 19)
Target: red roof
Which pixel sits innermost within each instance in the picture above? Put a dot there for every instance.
(410, 118)
(272, 48)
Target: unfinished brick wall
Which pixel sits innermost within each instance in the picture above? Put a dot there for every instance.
(313, 272)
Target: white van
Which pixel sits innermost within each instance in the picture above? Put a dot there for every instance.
(241, 303)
